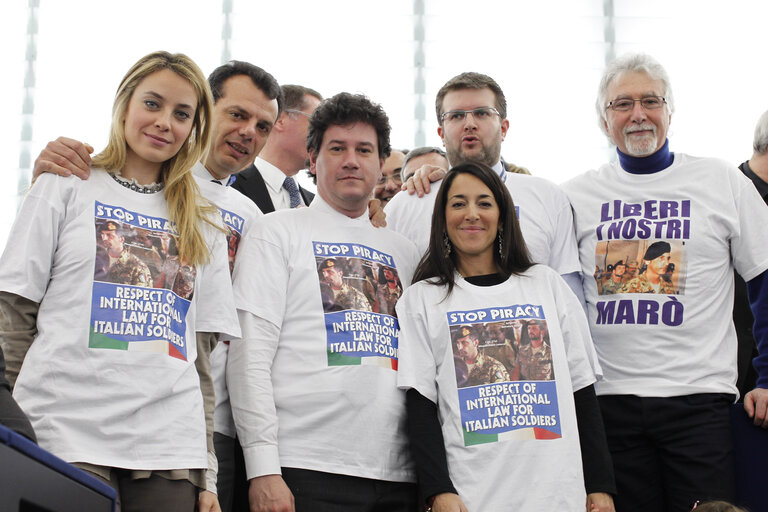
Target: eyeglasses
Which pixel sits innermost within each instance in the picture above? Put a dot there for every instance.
(626, 104)
(479, 114)
(294, 111)
(396, 179)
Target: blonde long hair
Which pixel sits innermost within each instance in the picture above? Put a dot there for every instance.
(185, 205)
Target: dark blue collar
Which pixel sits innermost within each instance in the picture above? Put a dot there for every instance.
(650, 164)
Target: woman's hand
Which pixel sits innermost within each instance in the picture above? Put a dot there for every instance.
(448, 502)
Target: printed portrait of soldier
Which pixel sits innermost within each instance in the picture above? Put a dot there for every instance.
(655, 276)
(123, 267)
(344, 296)
(480, 369)
(535, 354)
(388, 290)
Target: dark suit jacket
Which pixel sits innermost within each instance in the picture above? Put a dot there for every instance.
(250, 182)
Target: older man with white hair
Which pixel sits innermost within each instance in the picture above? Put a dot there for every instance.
(669, 359)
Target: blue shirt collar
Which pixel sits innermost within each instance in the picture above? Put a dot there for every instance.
(650, 164)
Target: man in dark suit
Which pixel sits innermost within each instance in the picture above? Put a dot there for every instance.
(270, 180)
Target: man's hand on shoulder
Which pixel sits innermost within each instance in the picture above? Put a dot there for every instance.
(756, 405)
(64, 157)
(376, 214)
(269, 493)
(421, 179)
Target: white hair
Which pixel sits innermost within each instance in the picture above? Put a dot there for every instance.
(631, 63)
(760, 144)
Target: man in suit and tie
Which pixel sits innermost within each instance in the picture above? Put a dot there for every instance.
(270, 181)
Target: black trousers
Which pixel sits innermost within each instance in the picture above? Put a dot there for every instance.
(669, 452)
(315, 491)
(231, 484)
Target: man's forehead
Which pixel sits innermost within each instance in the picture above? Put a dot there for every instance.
(469, 98)
(393, 161)
(243, 92)
(351, 134)
(420, 160)
(635, 83)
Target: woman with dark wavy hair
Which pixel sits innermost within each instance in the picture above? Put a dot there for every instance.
(482, 441)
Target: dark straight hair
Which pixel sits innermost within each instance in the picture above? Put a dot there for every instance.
(513, 258)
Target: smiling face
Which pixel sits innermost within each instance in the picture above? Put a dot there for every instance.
(637, 132)
(472, 223)
(157, 121)
(347, 167)
(472, 139)
(243, 118)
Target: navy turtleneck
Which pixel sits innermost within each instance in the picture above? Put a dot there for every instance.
(650, 164)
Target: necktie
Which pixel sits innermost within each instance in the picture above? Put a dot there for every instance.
(293, 191)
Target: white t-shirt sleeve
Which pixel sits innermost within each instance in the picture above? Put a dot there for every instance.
(576, 336)
(249, 380)
(416, 362)
(564, 253)
(748, 246)
(260, 277)
(26, 264)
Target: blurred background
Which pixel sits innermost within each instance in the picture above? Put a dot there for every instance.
(62, 62)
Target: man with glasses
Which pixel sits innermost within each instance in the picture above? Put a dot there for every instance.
(391, 180)
(669, 360)
(472, 122)
(270, 181)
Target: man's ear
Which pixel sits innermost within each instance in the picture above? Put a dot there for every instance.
(313, 162)
(504, 128)
(280, 123)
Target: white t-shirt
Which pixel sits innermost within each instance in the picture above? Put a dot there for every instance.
(315, 374)
(679, 341)
(511, 443)
(543, 209)
(238, 214)
(110, 378)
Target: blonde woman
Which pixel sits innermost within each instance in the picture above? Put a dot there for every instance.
(104, 284)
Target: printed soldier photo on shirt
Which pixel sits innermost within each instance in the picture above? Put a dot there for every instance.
(640, 266)
(126, 254)
(233, 242)
(356, 283)
(474, 367)
(342, 283)
(358, 295)
(505, 374)
(141, 291)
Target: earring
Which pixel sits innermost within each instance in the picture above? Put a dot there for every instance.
(446, 245)
(501, 244)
